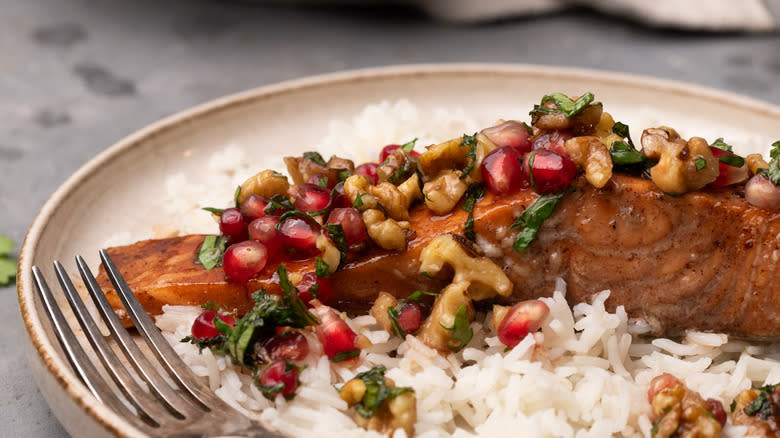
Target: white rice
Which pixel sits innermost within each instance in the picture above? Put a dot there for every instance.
(585, 374)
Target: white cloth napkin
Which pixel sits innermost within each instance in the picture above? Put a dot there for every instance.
(708, 15)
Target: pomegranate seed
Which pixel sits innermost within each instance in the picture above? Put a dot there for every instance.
(502, 170)
(323, 291)
(390, 150)
(288, 345)
(716, 409)
(278, 372)
(321, 180)
(264, 231)
(510, 133)
(334, 334)
(311, 197)
(369, 171)
(660, 383)
(551, 172)
(299, 234)
(231, 224)
(253, 207)
(410, 317)
(553, 141)
(204, 327)
(244, 260)
(351, 222)
(728, 175)
(521, 319)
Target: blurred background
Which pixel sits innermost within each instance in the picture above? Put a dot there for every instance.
(78, 75)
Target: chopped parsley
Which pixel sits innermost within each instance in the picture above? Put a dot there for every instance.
(345, 355)
(8, 265)
(377, 392)
(564, 104)
(701, 163)
(654, 429)
(409, 146)
(217, 211)
(322, 269)
(474, 193)
(732, 160)
(336, 234)
(358, 200)
(762, 405)
(773, 172)
(211, 251)
(416, 295)
(532, 218)
(471, 142)
(394, 313)
(315, 158)
(236, 195)
(624, 153)
(278, 203)
(461, 330)
(531, 158)
(720, 144)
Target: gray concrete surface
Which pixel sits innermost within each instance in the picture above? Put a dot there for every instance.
(77, 75)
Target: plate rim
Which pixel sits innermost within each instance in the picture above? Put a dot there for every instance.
(58, 368)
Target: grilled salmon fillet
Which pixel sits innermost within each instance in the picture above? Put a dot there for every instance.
(705, 260)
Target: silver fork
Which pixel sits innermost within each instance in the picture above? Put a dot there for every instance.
(186, 409)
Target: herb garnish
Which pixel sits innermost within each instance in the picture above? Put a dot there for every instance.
(531, 220)
(531, 158)
(654, 429)
(564, 104)
(409, 146)
(720, 144)
(236, 195)
(217, 211)
(336, 234)
(729, 159)
(270, 311)
(376, 391)
(773, 172)
(322, 269)
(278, 203)
(624, 153)
(358, 200)
(701, 163)
(270, 391)
(8, 265)
(345, 355)
(762, 405)
(461, 330)
(211, 251)
(474, 193)
(471, 155)
(315, 158)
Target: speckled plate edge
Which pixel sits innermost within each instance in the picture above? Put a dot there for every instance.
(73, 405)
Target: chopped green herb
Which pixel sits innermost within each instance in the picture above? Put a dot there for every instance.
(315, 158)
(215, 344)
(474, 193)
(762, 405)
(377, 392)
(345, 355)
(461, 330)
(528, 128)
(564, 104)
(531, 158)
(732, 160)
(344, 174)
(720, 144)
(622, 130)
(471, 142)
(409, 146)
(623, 154)
(773, 172)
(8, 265)
(733, 405)
(313, 289)
(270, 391)
(416, 295)
(358, 200)
(211, 251)
(236, 195)
(222, 326)
(217, 211)
(426, 274)
(278, 203)
(701, 163)
(210, 305)
(532, 218)
(406, 170)
(336, 234)
(322, 181)
(394, 313)
(322, 269)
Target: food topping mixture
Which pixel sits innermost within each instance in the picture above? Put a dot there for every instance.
(334, 211)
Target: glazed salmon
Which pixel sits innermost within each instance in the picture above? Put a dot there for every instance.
(705, 260)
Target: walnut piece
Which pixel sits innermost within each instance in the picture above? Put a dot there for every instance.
(443, 193)
(592, 155)
(267, 184)
(682, 166)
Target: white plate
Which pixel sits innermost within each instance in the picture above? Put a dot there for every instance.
(122, 188)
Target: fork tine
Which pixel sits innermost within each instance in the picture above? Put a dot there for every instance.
(76, 356)
(143, 322)
(170, 398)
(116, 370)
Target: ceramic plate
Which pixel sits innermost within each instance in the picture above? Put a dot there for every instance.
(119, 189)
